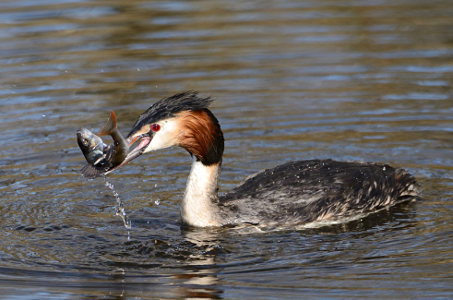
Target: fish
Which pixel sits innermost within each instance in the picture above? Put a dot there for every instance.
(96, 153)
(92, 146)
(101, 157)
(120, 145)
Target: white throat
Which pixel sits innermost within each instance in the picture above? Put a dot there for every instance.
(198, 206)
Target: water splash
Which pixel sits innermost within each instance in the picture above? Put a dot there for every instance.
(157, 201)
(120, 211)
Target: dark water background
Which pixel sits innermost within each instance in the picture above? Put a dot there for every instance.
(349, 80)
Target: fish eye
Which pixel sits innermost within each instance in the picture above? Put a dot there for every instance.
(155, 127)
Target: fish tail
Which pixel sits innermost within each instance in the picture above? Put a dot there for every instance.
(110, 125)
(90, 171)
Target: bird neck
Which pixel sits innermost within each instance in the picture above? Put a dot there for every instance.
(199, 207)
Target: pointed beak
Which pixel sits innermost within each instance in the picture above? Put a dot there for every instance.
(135, 152)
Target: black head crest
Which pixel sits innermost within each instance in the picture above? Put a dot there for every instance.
(168, 107)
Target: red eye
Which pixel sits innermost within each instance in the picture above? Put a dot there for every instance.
(155, 127)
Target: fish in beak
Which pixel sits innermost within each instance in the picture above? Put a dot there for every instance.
(144, 141)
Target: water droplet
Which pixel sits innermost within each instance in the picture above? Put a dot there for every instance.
(120, 211)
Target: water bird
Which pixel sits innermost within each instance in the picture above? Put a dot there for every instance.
(294, 193)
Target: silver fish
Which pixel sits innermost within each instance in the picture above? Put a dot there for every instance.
(102, 157)
(92, 146)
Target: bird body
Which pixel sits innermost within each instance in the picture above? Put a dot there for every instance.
(318, 190)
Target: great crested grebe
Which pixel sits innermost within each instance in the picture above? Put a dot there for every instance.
(294, 193)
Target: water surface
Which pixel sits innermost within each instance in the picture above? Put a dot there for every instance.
(356, 80)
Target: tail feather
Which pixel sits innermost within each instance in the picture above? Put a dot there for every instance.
(408, 186)
(110, 125)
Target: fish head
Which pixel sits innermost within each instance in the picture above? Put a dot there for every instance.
(85, 138)
(90, 144)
